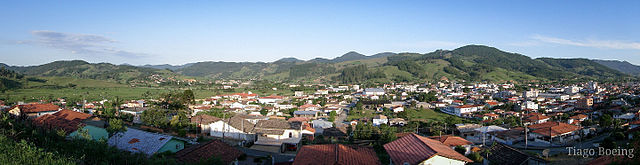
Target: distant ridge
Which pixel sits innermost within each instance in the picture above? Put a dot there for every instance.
(622, 66)
(469, 63)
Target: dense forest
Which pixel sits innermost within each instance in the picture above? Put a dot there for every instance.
(358, 73)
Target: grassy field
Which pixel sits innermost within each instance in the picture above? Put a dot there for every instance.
(426, 114)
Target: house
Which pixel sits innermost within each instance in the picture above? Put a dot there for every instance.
(415, 149)
(70, 121)
(575, 120)
(204, 151)
(33, 110)
(453, 141)
(398, 109)
(236, 127)
(467, 129)
(278, 133)
(380, 119)
(554, 131)
(309, 107)
(321, 125)
(397, 121)
(508, 137)
(490, 116)
(148, 143)
(503, 154)
(535, 118)
(373, 91)
(270, 99)
(203, 121)
(330, 154)
(460, 110)
(307, 114)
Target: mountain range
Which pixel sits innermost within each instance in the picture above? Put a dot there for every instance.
(470, 63)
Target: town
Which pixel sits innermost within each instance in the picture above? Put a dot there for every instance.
(445, 122)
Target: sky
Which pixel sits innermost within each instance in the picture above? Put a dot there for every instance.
(179, 32)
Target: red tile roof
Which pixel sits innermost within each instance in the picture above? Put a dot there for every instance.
(66, 120)
(204, 119)
(71, 115)
(451, 141)
(206, 150)
(414, 149)
(32, 108)
(554, 128)
(579, 116)
(326, 154)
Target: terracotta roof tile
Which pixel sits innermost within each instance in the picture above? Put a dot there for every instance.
(204, 119)
(32, 108)
(414, 149)
(329, 154)
(66, 120)
(206, 150)
(451, 141)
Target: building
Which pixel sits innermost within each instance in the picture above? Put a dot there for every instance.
(204, 151)
(535, 118)
(461, 110)
(279, 134)
(503, 154)
(415, 149)
(550, 132)
(453, 141)
(70, 121)
(203, 121)
(330, 154)
(236, 127)
(529, 105)
(373, 91)
(137, 141)
(380, 119)
(397, 122)
(584, 103)
(33, 110)
(306, 114)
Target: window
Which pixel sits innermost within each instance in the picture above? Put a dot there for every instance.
(290, 135)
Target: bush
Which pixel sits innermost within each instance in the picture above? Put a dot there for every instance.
(461, 150)
(475, 156)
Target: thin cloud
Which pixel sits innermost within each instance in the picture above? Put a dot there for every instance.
(86, 44)
(609, 44)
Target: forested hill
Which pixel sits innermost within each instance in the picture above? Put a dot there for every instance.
(483, 63)
(470, 63)
(622, 66)
(86, 70)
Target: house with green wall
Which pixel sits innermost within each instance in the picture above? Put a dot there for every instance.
(138, 141)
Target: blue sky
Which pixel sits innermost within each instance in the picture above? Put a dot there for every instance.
(159, 32)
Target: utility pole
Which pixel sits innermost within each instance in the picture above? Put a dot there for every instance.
(224, 125)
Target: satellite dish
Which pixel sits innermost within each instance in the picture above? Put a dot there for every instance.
(545, 152)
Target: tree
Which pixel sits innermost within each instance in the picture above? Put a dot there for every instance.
(155, 117)
(461, 150)
(606, 120)
(332, 116)
(115, 125)
(475, 156)
(263, 112)
(387, 134)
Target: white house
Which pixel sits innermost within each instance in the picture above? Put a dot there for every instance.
(380, 119)
(233, 128)
(374, 91)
